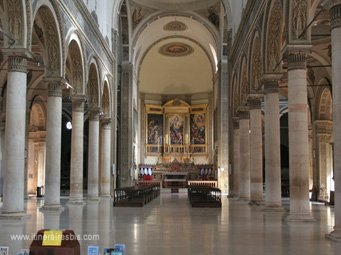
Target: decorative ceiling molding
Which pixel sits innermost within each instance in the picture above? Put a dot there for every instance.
(176, 49)
(175, 26)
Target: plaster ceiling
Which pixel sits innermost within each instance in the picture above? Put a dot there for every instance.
(176, 4)
(174, 75)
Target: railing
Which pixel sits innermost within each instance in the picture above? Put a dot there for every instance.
(176, 149)
(213, 184)
(151, 182)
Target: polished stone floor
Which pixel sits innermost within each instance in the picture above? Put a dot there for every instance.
(168, 225)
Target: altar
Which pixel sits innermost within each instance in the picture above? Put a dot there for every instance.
(176, 174)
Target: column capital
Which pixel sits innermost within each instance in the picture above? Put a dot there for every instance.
(324, 126)
(271, 82)
(324, 138)
(17, 59)
(235, 122)
(243, 113)
(254, 101)
(54, 85)
(106, 121)
(78, 102)
(335, 14)
(94, 113)
(297, 56)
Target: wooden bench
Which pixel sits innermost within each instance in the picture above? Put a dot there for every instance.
(136, 196)
(204, 196)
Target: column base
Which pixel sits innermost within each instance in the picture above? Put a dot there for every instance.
(232, 196)
(106, 196)
(244, 199)
(14, 216)
(296, 217)
(334, 236)
(256, 203)
(274, 208)
(94, 198)
(76, 202)
(55, 208)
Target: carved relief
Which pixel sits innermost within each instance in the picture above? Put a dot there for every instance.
(274, 36)
(299, 18)
(175, 26)
(213, 16)
(137, 15)
(92, 90)
(15, 22)
(256, 64)
(244, 85)
(77, 73)
(106, 102)
(52, 42)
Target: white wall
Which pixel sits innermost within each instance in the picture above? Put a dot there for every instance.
(237, 7)
(103, 9)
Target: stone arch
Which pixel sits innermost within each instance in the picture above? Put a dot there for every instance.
(36, 144)
(273, 30)
(46, 27)
(106, 102)
(325, 105)
(93, 86)
(37, 114)
(255, 68)
(243, 81)
(75, 65)
(235, 94)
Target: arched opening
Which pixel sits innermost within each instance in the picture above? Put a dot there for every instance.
(74, 102)
(284, 133)
(46, 63)
(36, 150)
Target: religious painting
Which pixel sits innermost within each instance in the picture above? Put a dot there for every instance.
(198, 129)
(154, 129)
(176, 129)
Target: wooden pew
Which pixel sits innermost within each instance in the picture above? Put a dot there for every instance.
(204, 196)
(136, 196)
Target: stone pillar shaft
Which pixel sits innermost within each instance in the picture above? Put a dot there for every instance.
(256, 149)
(298, 136)
(335, 14)
(244, 127)
(13, 200)
(272, 151)
(236, 158)
(93, 154)
(53, 143)
(76, 173)
(105, 158)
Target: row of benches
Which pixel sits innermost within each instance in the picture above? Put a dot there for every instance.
(204, 196)
(136, 196)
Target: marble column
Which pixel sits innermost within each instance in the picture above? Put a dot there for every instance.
(53, 144)
(298, 135)
(335, 15)
(105, 158)
(126, 127)
(93, 154)
(223, 129)
(244, 166)
(14, 172)
(272, 152)
(324, 166)
(236, 158)
(256, 149)
(76, 172)
(52, 219)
